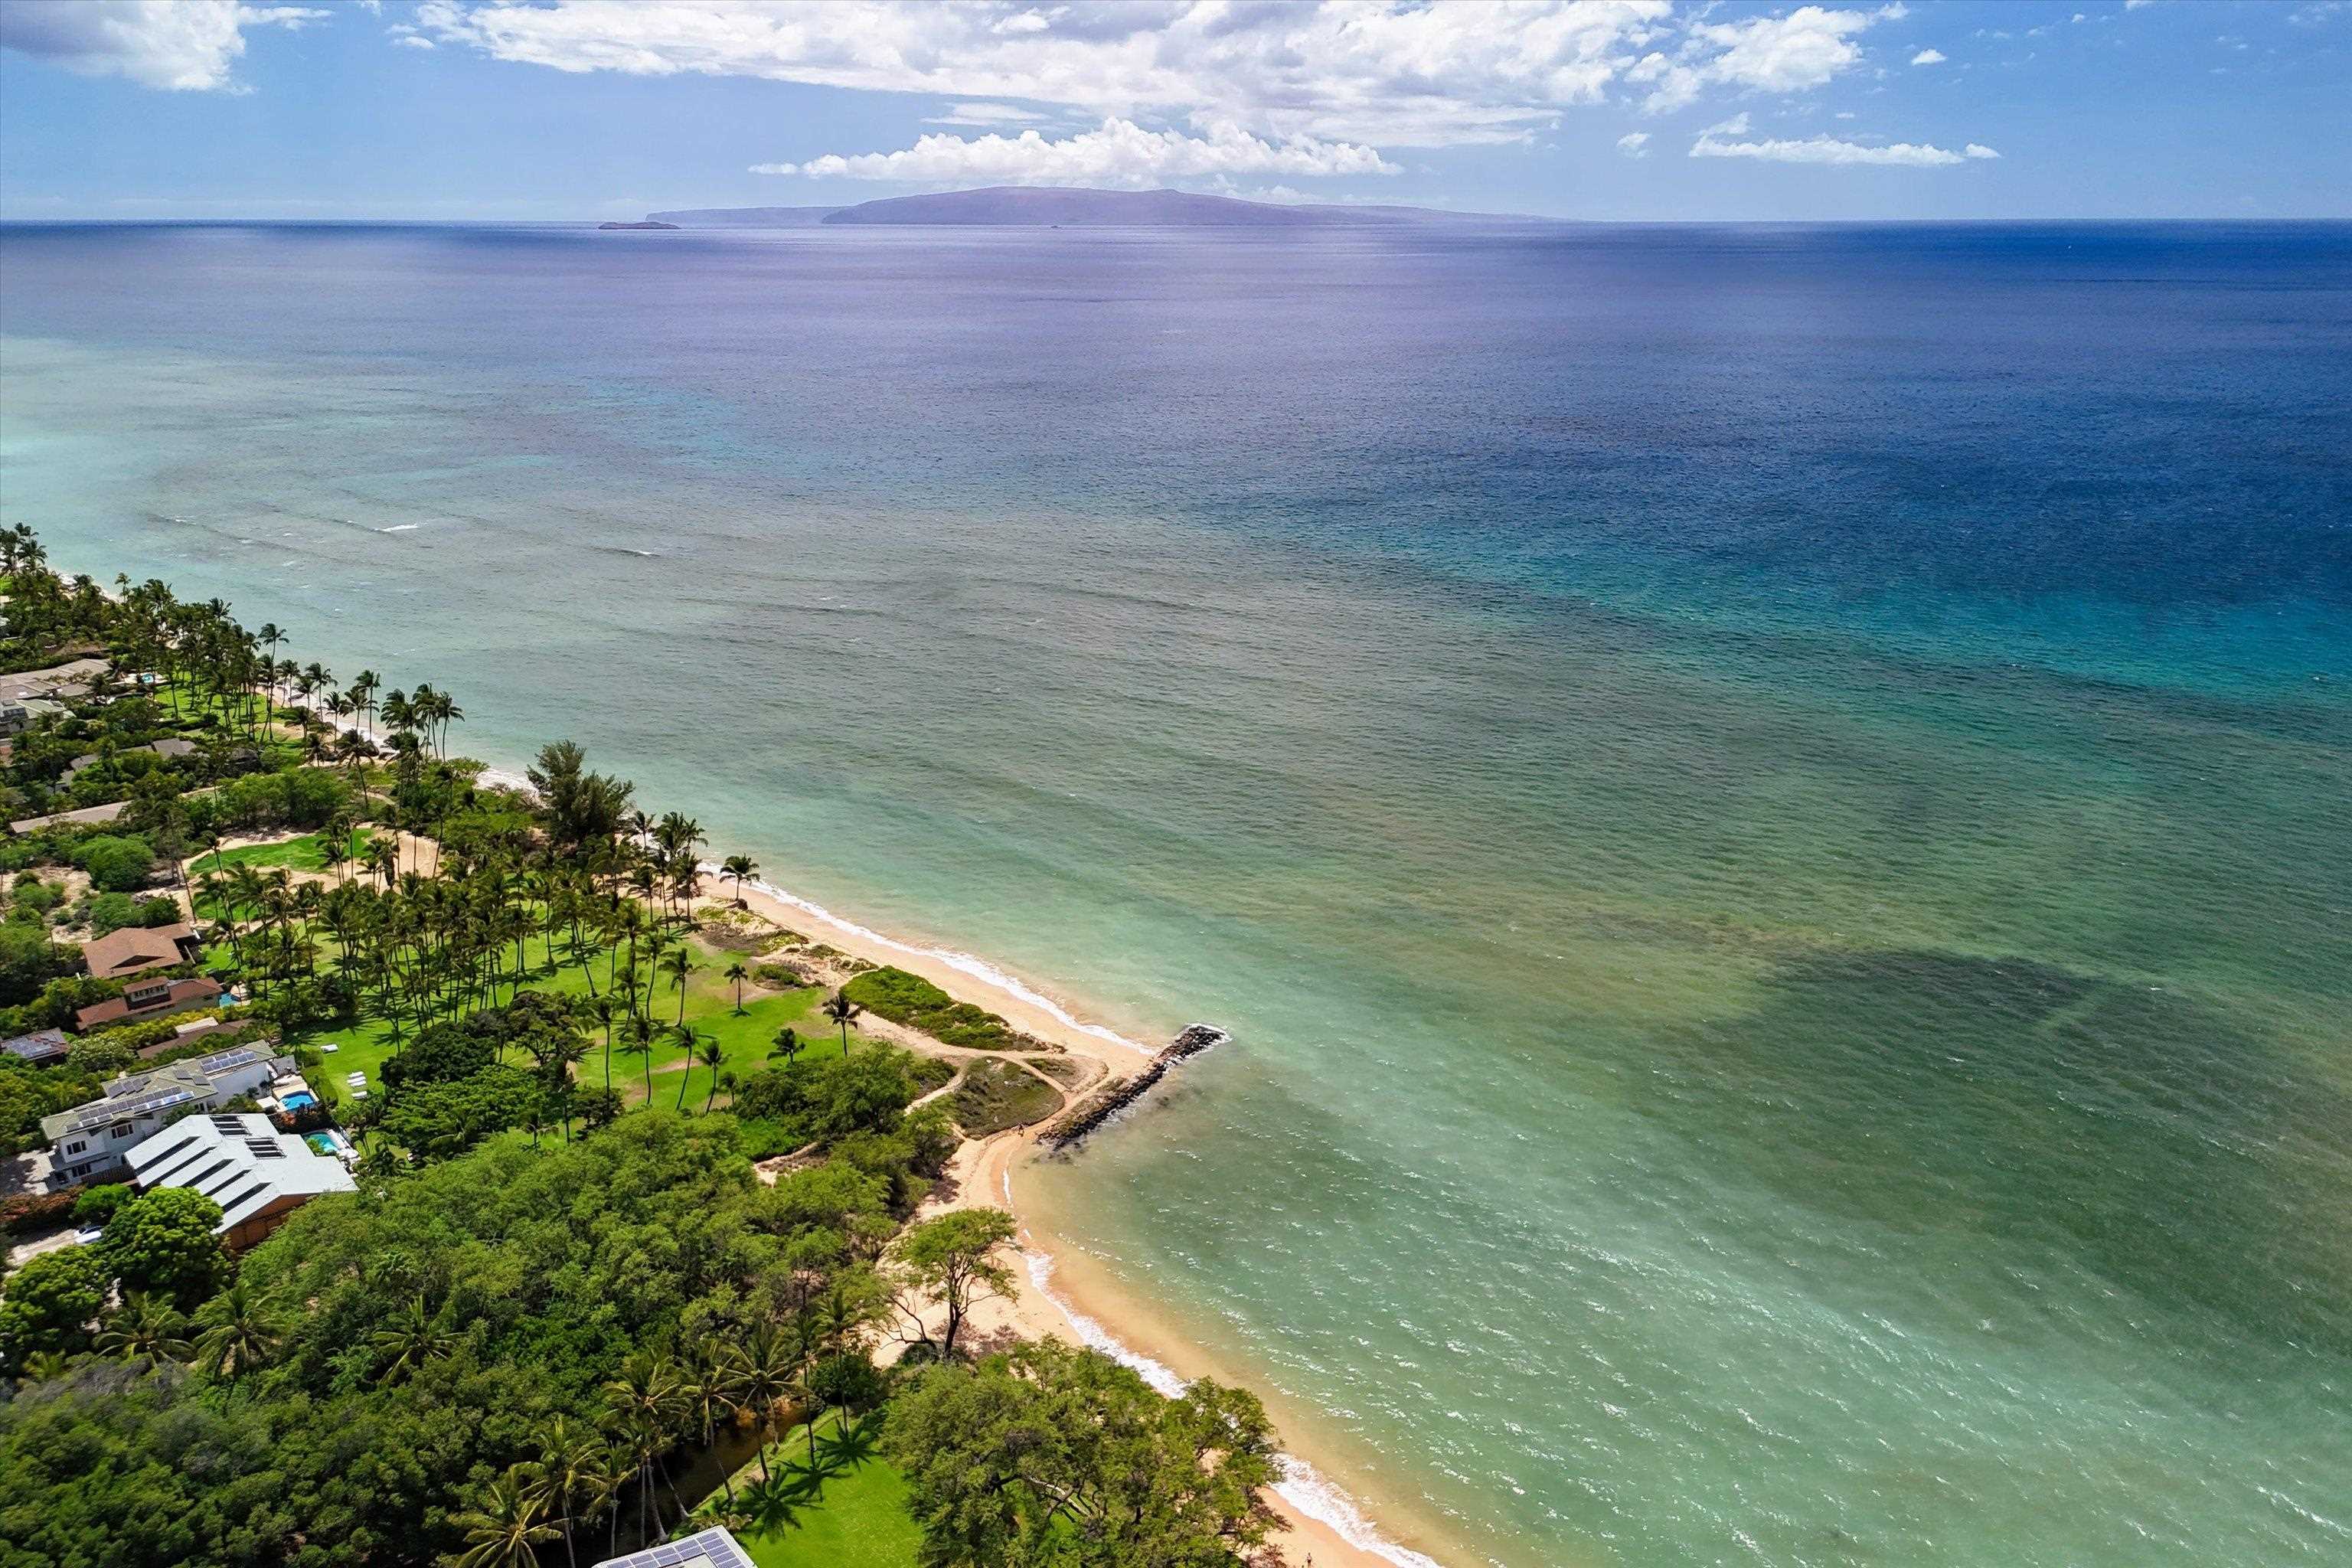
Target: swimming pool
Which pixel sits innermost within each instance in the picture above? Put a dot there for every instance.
(299, 1098)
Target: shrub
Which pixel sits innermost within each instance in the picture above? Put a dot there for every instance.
(911, 999)
(97, 1205)
(21, 1213)
(112, 912)
(116, 863)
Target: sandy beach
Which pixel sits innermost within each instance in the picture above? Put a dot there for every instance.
(987, 1172)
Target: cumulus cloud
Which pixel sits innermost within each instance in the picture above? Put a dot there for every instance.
(186, 46)
(1712, 144)
(1390, 72)
(1784, 53)
(1117, 152)
(1634, 143)
(1929, 57)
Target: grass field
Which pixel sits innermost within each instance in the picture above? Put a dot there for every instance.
(862, 1522)
(746, 1039)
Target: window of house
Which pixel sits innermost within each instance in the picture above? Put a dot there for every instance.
(77, 1146)
(120, 1130)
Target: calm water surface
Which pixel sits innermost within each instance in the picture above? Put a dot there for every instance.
(1768, 808)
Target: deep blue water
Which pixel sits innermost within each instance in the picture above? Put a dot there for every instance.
(1767, 805)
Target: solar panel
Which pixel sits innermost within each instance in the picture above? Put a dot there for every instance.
(264, 1150)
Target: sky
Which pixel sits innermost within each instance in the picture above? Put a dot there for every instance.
(1648, 110)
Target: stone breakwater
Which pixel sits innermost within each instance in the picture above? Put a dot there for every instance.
(1116, 1096)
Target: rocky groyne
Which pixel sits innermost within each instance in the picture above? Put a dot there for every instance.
(1116, 1096)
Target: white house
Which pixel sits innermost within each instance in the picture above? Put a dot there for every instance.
(88, 1142)
(257, 1175)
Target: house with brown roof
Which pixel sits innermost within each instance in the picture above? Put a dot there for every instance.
(144, 999)
(135, 950)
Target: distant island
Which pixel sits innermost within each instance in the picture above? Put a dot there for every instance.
(1030, 206)
(647, 224)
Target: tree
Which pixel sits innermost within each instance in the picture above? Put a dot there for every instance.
(712, 1055)
(787, 1044)
(740, 868)
(841, 1010)
(240, 1333)
(145, 1327)
(163, 1242)
(572, 1479)
(736, 974)
(678, 965)
(504, 1528)
(948, 1263)
(51, 1303)
(96, 1206)
(1051, 1454)
(413, 1339)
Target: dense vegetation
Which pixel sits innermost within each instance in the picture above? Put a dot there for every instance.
(564, 1312)
(911, 999)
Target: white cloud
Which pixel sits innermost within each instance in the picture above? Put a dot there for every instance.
(1396, 70)
(1634, 144)
(2136, 5)
(1828, 149)
(1929, 57)
(1117, 152)
(983, 114)
(188, 46)
(411, 41)
(1785, 54)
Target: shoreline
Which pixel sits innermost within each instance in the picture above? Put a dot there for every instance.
(1322, 1523)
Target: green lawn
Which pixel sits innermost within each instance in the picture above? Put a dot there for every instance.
(307, 853)
(710, 1009)
(862, 1522)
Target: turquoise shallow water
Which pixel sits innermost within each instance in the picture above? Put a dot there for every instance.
(1766, 808)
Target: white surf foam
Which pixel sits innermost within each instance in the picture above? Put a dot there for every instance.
(1302, 1486)
(400, 528)
(980, 969)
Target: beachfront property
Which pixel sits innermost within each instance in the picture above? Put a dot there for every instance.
(40, 1048)
(72, 678)
(135, 950)
(256, 1174)
(17, 714)
(88, 1143)
(145, 999)
(713, 1548)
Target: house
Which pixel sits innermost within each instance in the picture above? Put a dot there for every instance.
(39, 1048)
(257, 1175)
(135, 950)
(713, 1548)
(18, 714)
(87, 1144)
(144, 999)
(170, 749)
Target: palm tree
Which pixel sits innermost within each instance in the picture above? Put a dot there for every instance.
(145, 1328)
(415, 1339)
(765, 1364)
(240, 1333)
(603, 1007)
(712, 1378)
(841, 1010)
(736, 974)
(678, 966)
(503, 1531)
(741, 868)
(646, 1405)
(713, 1055)
(687, 1039)
(571, 1473)
(640, 1043)
(787, 1044)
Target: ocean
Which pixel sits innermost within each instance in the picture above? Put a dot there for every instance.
(1769, 809)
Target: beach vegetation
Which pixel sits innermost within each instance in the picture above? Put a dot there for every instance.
(913, 1001)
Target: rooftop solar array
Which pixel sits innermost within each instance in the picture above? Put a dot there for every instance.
(713, 1546)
